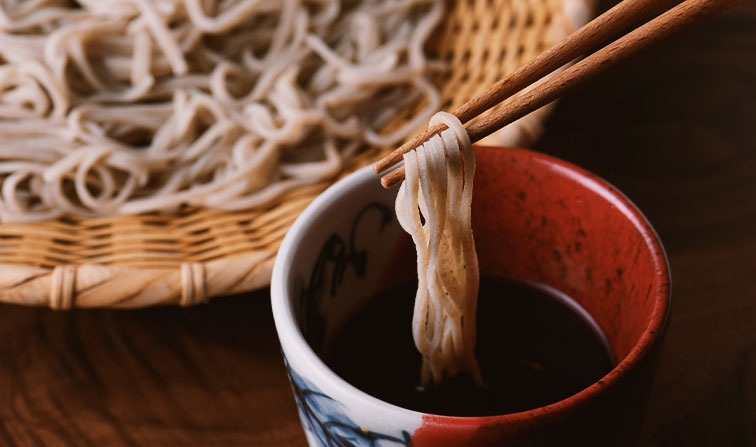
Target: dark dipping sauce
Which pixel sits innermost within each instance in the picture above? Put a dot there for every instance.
(535, 346)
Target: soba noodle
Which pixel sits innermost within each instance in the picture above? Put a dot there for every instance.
(128, 106)
(433, 206)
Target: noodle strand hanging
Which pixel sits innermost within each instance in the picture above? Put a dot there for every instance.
(434, 205)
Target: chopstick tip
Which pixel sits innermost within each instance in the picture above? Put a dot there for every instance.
(392, 178)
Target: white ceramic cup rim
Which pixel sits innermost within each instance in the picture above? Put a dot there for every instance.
(283, 314)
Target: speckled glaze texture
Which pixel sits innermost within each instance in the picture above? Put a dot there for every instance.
(539, 218)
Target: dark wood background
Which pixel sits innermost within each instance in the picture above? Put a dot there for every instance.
(675, 129)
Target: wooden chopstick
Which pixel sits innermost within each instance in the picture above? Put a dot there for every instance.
(585, 39)
(622, 15)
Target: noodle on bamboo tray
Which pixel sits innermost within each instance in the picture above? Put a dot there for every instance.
(157, 152)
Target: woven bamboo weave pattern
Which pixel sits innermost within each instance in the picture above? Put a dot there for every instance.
(187, 257)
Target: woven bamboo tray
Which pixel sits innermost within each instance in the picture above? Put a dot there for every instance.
(190, 256)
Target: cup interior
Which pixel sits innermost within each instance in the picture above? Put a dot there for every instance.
(535, 218)
(542, 220)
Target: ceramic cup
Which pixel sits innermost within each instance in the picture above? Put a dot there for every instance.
(535, 218)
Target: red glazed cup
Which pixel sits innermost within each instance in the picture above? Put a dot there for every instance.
(535, 218)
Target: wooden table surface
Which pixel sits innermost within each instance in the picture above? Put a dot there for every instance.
(675, 129)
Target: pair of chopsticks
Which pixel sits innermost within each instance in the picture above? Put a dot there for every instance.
(620, 17)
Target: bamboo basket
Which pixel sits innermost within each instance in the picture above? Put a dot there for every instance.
(187, 257)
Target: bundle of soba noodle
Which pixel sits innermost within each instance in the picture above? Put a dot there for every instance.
(127, 106)
(433, 205)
